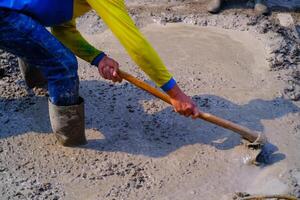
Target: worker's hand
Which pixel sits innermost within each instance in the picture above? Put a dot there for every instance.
(108, 69)
(182, 103)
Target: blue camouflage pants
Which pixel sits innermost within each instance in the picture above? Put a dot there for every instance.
(26, 38)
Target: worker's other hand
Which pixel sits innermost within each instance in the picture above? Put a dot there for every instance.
(108, 69)
(182, 103)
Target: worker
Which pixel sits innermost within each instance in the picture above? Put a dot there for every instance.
(23, 33)
(259, 6)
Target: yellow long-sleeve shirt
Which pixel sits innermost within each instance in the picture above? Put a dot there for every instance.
(115, 16)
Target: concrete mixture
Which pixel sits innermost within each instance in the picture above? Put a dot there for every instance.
(138, 148)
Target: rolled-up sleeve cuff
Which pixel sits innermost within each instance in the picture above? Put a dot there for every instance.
(98, 58)
(168, 85)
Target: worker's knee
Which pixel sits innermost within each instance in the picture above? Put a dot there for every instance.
(62, 65)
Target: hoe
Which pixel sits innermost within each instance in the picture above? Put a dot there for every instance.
(257, 140)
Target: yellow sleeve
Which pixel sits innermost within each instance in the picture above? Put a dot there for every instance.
(71, 38)
(115, 15)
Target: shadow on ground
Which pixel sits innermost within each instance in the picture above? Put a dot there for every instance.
(134, 122)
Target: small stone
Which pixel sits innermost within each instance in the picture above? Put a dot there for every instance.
(3, 169)
(138, 186)
(193, 192)
(285, 19)
(295, 97)
(289, 88)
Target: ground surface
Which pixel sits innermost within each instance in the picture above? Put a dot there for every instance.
(235, 65)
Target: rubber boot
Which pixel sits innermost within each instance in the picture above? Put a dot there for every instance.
(67, 123)
(214, 6)
(32, 76)
(261, 7)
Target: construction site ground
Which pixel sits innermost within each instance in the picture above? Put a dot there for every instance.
(236, 65)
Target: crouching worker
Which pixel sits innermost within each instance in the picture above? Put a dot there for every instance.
(51, 57)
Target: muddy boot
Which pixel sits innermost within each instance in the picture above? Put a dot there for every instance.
(214, 6)
(68, 123)
(32, 76)
(261, 7)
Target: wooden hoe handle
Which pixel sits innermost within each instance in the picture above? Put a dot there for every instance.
(246, 133)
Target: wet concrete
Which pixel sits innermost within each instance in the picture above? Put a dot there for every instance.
(138, 148)
(177, 155)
